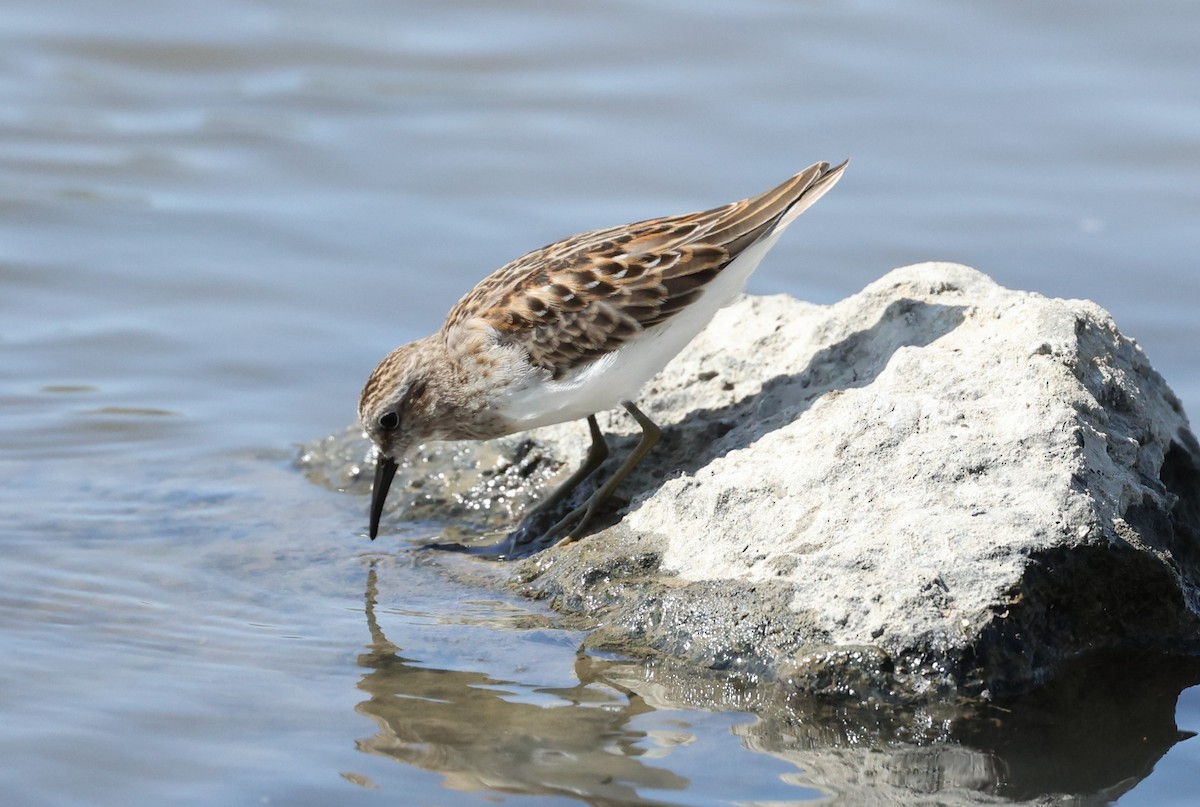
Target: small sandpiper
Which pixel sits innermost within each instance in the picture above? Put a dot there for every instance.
(571, 329)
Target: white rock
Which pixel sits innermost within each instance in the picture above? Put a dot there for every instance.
(969, 482)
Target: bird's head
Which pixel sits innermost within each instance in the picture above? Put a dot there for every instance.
(392, 416)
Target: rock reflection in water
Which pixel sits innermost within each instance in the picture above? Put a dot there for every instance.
(1093, 733)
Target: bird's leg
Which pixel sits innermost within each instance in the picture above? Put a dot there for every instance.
(650, 436)
(597, 454)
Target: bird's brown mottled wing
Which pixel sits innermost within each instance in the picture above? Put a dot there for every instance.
(575, 300)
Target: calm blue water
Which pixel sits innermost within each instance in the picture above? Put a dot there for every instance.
(215, 218)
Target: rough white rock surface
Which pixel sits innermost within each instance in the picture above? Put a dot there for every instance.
(952, 428)
(936, 475)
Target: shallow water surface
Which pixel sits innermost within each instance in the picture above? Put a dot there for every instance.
(215, 219)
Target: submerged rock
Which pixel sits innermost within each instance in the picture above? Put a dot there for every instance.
(937, 486)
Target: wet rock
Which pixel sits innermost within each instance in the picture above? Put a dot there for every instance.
(462, 487)
(935, 487)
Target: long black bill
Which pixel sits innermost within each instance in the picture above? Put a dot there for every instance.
(385, 470)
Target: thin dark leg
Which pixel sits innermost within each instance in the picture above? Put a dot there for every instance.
(597, 454)
(650, 436)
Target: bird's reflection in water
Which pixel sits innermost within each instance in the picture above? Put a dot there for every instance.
(461, 725)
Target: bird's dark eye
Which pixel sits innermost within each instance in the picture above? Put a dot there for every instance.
(389, 421)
